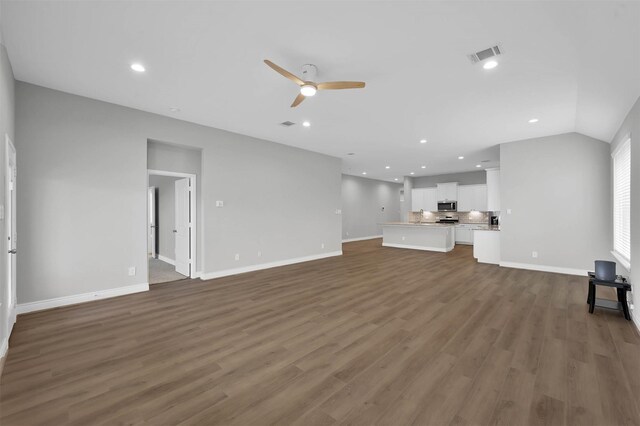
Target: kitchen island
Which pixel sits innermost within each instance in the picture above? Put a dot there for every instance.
(419, 236)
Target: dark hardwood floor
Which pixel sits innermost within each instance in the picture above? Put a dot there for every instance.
(377, 336)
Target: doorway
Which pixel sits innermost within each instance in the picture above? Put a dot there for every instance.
(9, 213)
(171, 226)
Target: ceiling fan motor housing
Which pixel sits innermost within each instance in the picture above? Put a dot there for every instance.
(309, 72)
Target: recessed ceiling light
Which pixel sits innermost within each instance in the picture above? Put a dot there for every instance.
(138, 67)
(306, 124)
(364, 173)
(489, 65)
(387, 167)
(478, 165)
(533, 120)
(461, 158)
(423, 167)
(423, 141)
(308, 90)
(173, 109)
(412, 173)
(396, 179)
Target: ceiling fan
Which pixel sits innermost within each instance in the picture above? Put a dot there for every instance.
(309, 87)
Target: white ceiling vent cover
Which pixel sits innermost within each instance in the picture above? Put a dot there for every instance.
(485, 54)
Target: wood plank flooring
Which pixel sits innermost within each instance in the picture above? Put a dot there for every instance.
(377, 336)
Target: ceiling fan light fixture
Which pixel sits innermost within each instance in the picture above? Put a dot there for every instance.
(489, 65)
(308, 90)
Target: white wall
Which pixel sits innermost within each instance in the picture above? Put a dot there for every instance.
(166, 200)
(82, 167)
(559, 191)
(631, 127)
(7, 119)
(362, 202)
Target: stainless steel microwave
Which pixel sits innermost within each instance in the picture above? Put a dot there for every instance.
(447, 206)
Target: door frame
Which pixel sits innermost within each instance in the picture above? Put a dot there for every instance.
(152, 214)
(10, 225)
(194, 214)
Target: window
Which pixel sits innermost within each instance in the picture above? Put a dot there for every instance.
(622, 203)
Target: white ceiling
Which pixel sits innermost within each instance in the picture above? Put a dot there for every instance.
(573, 65)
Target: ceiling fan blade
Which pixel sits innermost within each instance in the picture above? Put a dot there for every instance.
(337, 85)
(298, 100)
(284, 72)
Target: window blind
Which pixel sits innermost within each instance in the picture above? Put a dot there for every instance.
(622, 200)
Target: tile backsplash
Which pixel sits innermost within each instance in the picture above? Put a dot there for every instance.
(463, 217)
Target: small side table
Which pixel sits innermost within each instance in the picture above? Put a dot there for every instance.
(621, 286)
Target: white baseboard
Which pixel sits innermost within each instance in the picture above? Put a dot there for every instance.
(636, 321)
(545, 268)
(198, 274)
(372, 237)
(260, 266)
(166, 260)
(407, 246)
(4, 346)
(23, 308)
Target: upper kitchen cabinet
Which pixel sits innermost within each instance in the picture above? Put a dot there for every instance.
(417, 196)
(472, 197)
(430, 200)
(493, 190)
(425, 199)
(448, 191)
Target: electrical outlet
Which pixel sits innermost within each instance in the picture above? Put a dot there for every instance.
(322, 245)
(259, 254)
(338, 211)
(347, 233)
(534, 254)
(132, 271)
(402, 238)
(237, 256)
(219, 203)
(508, 211)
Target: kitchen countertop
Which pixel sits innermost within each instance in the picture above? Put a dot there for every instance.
(490, 228)
(423, 224)
(443, 225)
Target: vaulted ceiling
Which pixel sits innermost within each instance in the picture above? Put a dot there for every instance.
(573, 65)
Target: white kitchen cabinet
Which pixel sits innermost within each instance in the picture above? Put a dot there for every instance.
(472, 197)
(493, 190)
(465, 232)
(464, 235)
(430, 200)
(448, 191)
(416, 199)
(465, 198)
(480, 198)
(425, 199)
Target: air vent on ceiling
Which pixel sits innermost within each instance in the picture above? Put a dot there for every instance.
(287, 123)
(485, 54)
(485, 161)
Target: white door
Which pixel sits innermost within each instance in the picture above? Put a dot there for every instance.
(182, 229)
(10, 219)
(153, 227)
